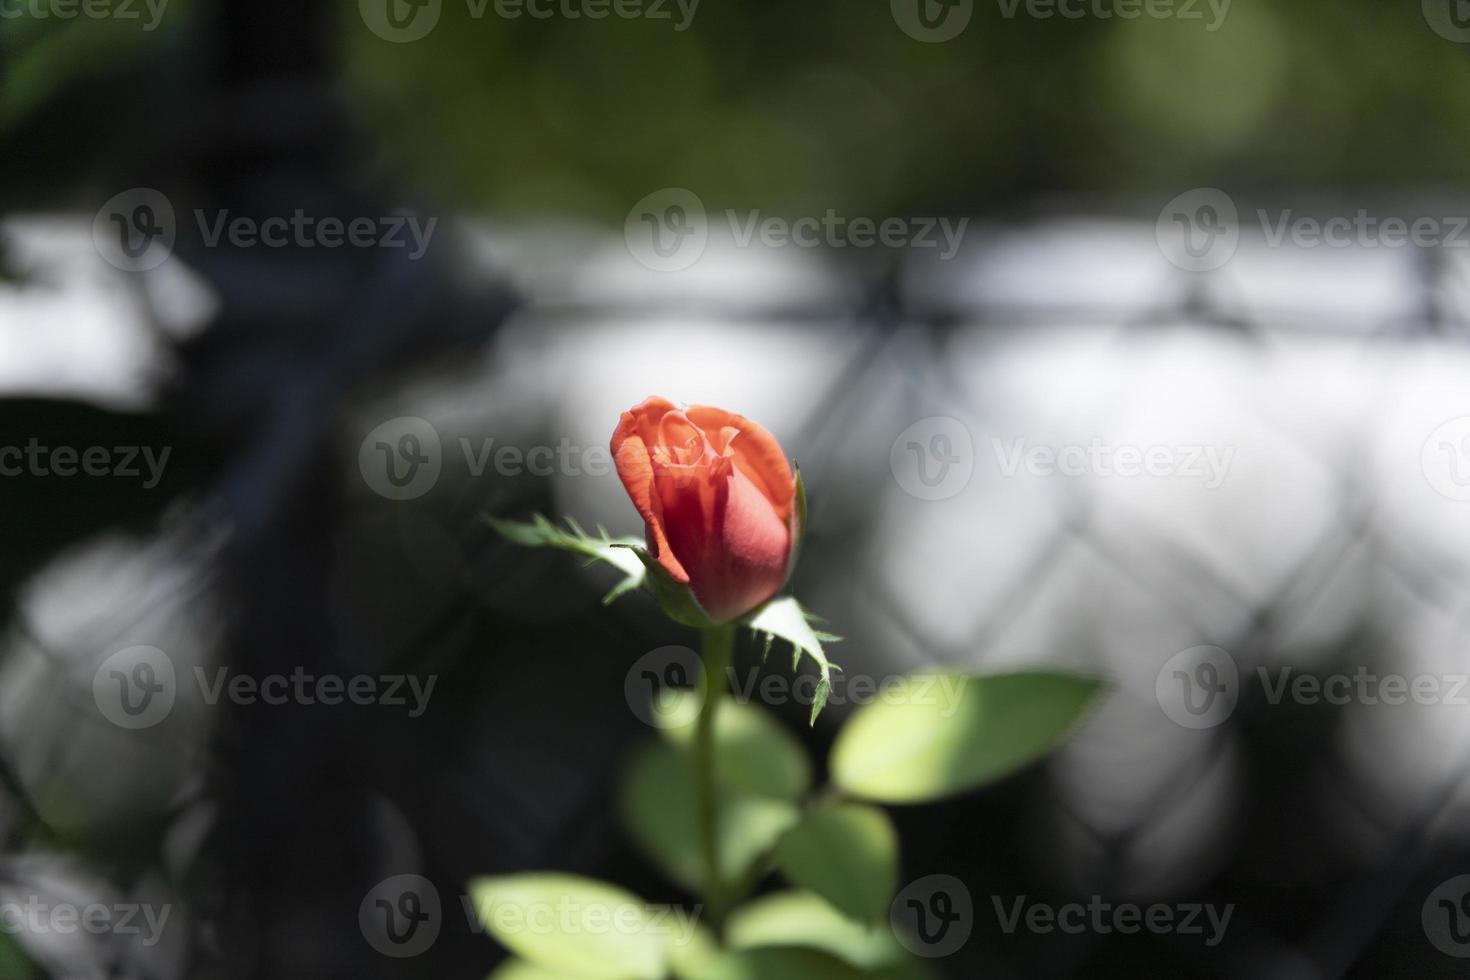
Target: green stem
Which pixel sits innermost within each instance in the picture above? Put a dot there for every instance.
(719, 645)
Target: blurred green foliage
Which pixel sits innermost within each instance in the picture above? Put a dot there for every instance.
(796, 108)
(799, 107)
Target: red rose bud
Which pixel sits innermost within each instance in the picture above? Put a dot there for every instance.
(716, 495)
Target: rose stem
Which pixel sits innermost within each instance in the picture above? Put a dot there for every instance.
(719, 643)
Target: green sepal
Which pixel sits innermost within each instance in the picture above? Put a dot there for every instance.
(541, 533)
(783, 618)
(675, 598)
(796, 525)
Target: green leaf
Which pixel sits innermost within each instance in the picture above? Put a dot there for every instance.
(689, 960)
(13, 963)
(848, 854)
(784, 619)
(754, 753)
(798, 918)
(541, 533)
(910, 969)
(658, 807)
(521, 970)
(778, 964)
(935, 735)
(576, 927)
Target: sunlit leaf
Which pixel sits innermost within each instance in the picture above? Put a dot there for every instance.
(691, 959)
(521, 970)
(778, 964)
(754, 753)
(848, 854)
(784, 619)
(578, 928)
(935, 735)
(658, 806)
(798, 918)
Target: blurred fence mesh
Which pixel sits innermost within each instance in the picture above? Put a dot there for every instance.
(1322, 381)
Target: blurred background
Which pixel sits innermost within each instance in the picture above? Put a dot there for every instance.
(1123, 337)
